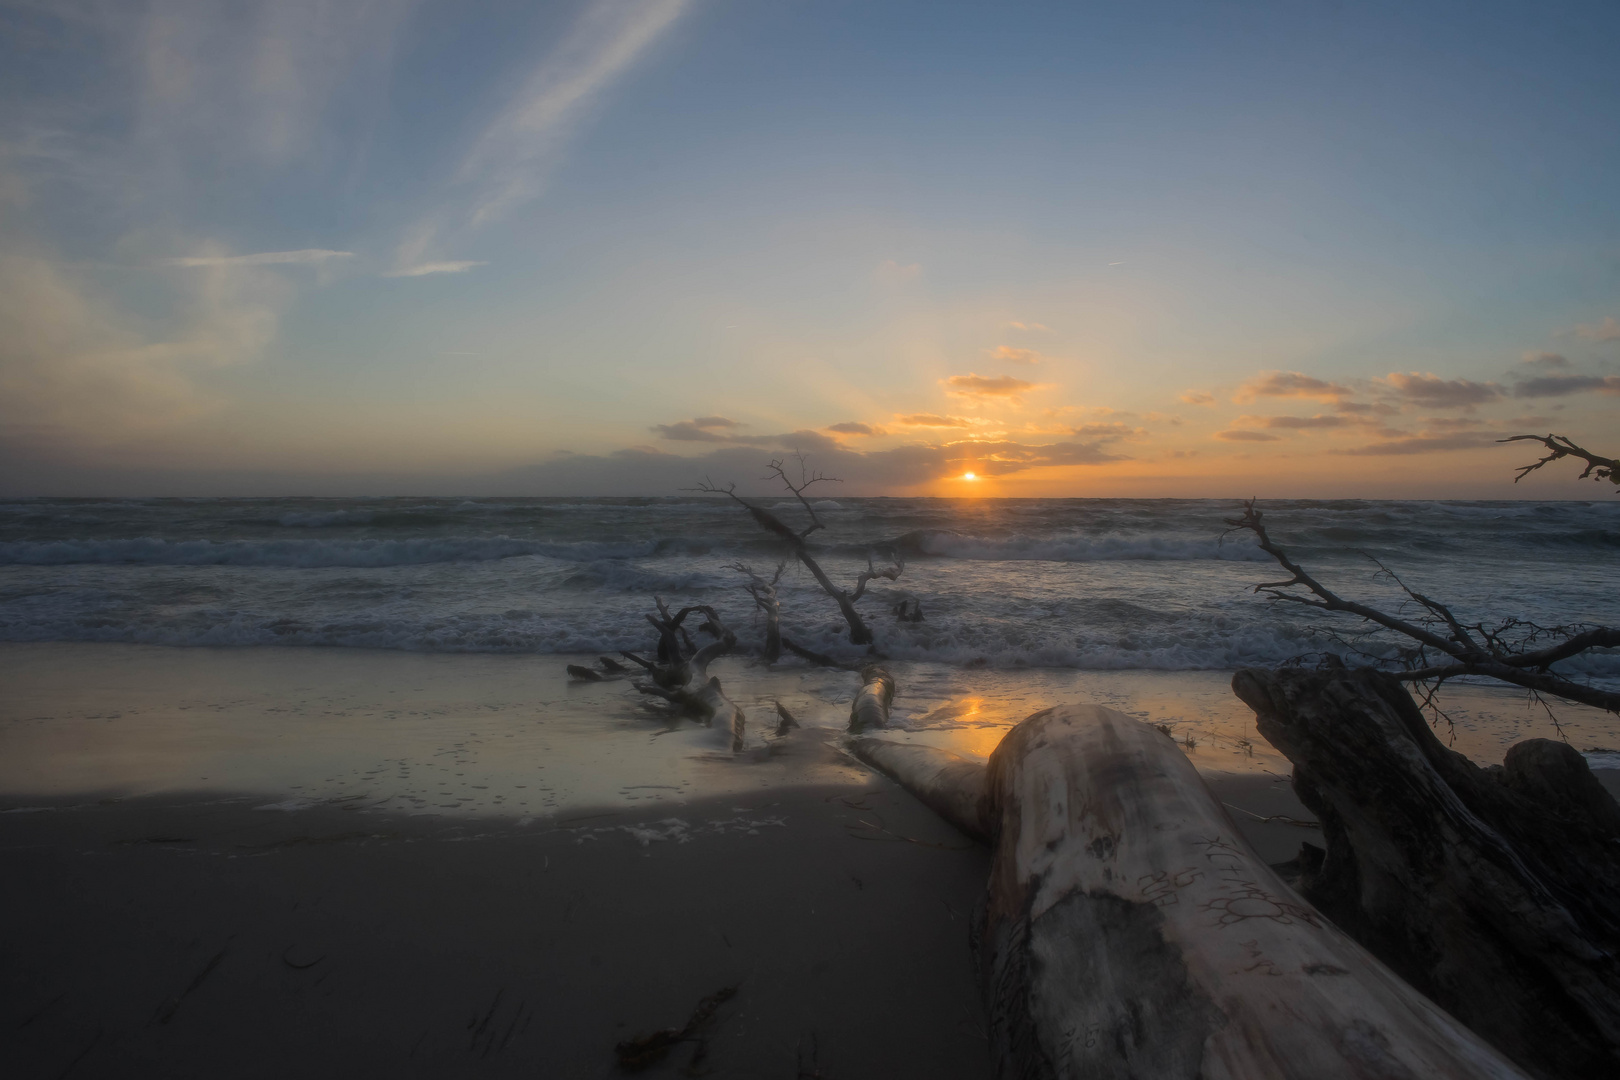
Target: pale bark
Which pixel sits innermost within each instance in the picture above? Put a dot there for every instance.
(870, 708)
(1130, 931)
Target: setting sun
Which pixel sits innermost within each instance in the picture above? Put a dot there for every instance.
(970, 476)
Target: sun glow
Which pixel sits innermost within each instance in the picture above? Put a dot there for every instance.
(970, 476)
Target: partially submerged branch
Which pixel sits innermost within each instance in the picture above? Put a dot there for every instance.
(766, 600)
(859, 632)
(1466, 649)
(681, 676)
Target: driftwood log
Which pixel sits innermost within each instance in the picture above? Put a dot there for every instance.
(681, 674)
(1130, 931)
(870, 709)
(1494, 891)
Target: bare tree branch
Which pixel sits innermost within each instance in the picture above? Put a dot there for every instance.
(859, 633)
(1560, 446)
(1468, 657)
(806, 478)
(765, 599)
(891, 573)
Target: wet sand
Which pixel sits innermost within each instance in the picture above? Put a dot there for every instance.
(331, 862)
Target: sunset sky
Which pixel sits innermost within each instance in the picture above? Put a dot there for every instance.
(611, 247)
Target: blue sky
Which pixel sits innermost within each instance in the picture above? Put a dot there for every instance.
(1074, 249)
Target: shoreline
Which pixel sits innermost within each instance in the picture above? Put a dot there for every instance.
(341, 862)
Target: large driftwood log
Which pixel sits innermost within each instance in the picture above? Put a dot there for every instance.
(1130, 931)
(870, 709)
(1494, 891)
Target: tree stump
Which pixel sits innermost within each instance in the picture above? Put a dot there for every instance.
(1494, 891)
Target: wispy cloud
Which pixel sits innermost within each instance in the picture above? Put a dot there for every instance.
(1028, 326)
(423, 269)
(985, 386)
(514, 156)
(890, 272)
(1607, 330)
(1419, 444)
(851, 427)
(79, 369)
(263, 258)
(934, 420)
(1198, 397)
(1301, 423)
(1015, 356)
(1245, 435)
(1545, 359)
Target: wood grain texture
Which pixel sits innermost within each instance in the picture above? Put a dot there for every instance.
(1494, 891)
(1130, 931)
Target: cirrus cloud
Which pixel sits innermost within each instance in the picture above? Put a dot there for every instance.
(263, 258)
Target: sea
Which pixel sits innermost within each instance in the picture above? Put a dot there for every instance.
(1091, 584)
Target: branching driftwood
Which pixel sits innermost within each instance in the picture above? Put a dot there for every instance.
(680, 676)
(769, 605)
(1559, 446)
(796, 540)
(1446, 646)
(1494, 891)
(1130, 931)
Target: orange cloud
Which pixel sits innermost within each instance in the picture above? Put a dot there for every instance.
(934, 420)
(1245, 436)
(1015, 356)
(983, 386)
(1198, 397)
(850, 427)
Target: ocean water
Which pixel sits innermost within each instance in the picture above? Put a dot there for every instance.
(1112, 584)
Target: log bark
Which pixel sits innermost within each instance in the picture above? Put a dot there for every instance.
(1494, 891)
(870, 709)
(1130, 931)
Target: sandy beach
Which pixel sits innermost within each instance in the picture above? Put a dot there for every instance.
(345, 862)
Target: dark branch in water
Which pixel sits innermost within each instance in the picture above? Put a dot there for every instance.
(765, 599)
(859, 633)
(1498, 652)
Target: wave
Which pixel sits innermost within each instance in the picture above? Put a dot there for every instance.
(309, 554)
(1004, 646)
(945, 544)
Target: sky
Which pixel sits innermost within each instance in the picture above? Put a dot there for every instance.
(615, 247)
